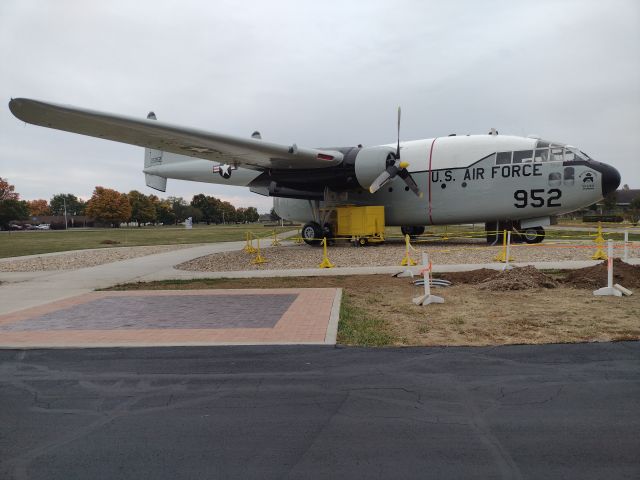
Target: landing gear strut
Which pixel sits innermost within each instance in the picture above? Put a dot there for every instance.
(412, 231)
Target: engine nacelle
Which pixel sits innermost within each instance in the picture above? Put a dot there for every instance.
(370, 163)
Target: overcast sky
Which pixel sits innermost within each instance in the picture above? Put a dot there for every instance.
(327, 73)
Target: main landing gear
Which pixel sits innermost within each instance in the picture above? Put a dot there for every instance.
(532, 234)
(312, 233)
(495, 233)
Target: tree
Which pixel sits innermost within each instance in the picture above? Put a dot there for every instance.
(38, 208)
(251, 214)
(109, 206)
(164, 213)
(274, 216)
(634, 209)
(240, 215)
(179, 208)
(7, 191)
(209, 208)
(142, 208)
(74, 205)
(228, 212)
(12, 209)
(194, 213)
(610, 202)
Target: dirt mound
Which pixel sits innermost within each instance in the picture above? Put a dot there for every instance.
(519, 278)
(595, 277)
(472, 277)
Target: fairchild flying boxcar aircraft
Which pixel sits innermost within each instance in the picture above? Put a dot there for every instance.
(504, 181)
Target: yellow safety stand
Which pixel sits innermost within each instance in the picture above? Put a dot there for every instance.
(444, 235)
(249, 248)
(599, 241)
(503, 255)
(298, 240)
(407, 260)
(275, 242)
(259, 258)
(325, 260)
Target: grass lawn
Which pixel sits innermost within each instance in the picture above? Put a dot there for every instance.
(14, 244)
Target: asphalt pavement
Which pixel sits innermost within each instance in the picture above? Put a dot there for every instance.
(552, 411)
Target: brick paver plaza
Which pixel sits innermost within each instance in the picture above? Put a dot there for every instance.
(177, 317)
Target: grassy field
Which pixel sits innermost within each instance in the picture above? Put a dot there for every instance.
(13, 244)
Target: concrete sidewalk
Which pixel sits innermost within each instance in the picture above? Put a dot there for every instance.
(30, 290)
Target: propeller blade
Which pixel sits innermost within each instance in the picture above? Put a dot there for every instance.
(411, 183)
(398, 148)
(380, 182)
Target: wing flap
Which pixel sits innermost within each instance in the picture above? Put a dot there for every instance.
(247, 152)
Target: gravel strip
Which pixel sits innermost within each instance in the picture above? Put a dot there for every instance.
(82, 259)
(344, 255)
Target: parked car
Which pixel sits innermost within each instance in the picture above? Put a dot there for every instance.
(13, 226)
(43, 226)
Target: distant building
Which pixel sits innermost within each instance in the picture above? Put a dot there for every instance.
(625, 197)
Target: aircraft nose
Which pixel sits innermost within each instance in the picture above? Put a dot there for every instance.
(610, 179)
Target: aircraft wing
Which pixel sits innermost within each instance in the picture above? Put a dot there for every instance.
(246, 152)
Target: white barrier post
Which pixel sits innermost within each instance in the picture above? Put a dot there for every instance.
(427, 298)
(506, 260)
(625, 257)
(609, 290)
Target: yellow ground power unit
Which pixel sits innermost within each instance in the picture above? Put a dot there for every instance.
(361, 224)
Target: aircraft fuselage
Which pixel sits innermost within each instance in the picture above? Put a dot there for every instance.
(475, 178)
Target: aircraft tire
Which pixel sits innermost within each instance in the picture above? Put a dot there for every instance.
(312, 233)
(533, 235)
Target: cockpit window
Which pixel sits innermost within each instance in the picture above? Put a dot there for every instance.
(522, 156)
(541, 155)
(572, 153)
(503, 158)
(556, 154)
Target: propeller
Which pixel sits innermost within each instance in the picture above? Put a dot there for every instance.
(395, 167)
